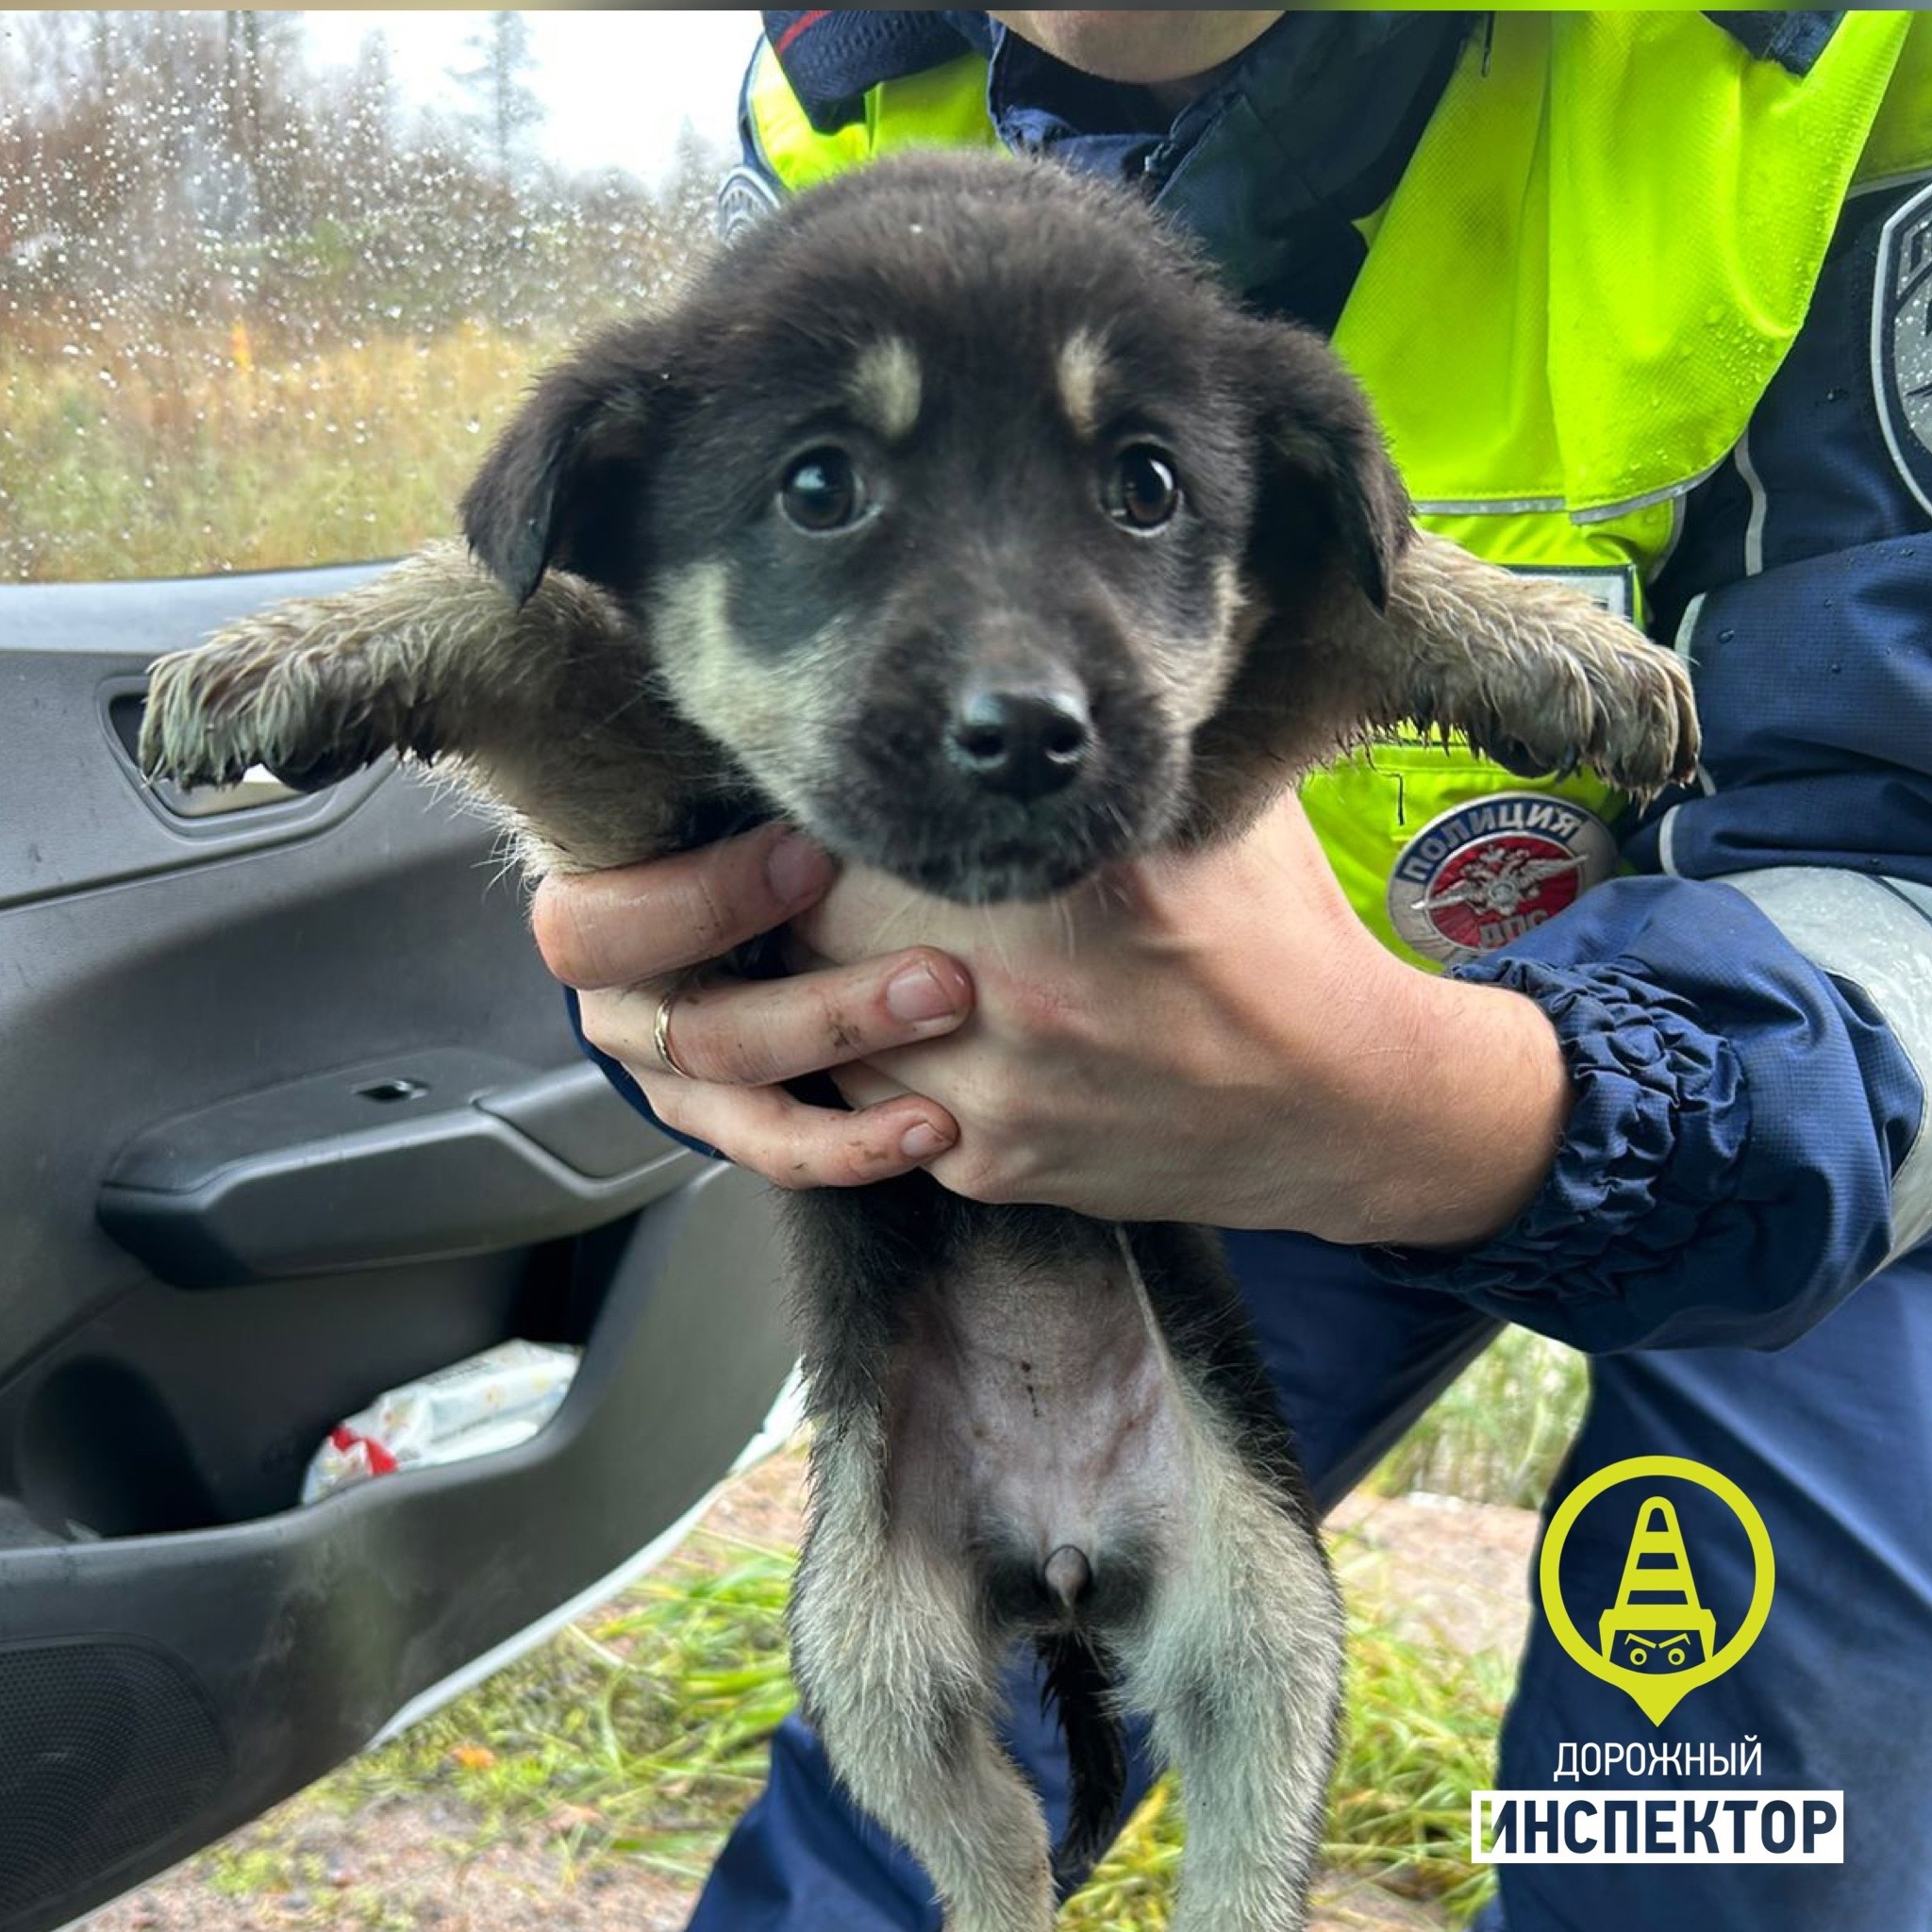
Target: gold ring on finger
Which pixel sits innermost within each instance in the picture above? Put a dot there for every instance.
(661, 1035)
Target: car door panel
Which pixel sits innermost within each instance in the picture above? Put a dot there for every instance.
(302, 1056)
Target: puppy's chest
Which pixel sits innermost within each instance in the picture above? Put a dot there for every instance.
(1029, 1399)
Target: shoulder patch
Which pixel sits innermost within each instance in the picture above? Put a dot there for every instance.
(1486, 872)
(1902, 340)
(744, 199)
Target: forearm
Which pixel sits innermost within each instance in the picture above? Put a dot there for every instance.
(1455, 1133)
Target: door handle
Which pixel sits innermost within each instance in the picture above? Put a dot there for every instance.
(256, 786)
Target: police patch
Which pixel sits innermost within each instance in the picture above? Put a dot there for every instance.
(1486, 872)
(1902, 340)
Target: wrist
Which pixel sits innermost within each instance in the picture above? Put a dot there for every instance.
(1455, 1116)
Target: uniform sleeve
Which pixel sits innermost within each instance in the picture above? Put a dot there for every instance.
(1749, 1026)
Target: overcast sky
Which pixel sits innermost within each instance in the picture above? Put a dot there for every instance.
(617, 86)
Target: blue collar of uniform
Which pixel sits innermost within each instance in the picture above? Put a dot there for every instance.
(833, 57)
(1308, 132)
(1273, 165)
(1039, 105)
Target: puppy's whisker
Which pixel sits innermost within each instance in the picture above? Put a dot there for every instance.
(644, 695)
(1070, 926)
(996, 936)
(884, 936)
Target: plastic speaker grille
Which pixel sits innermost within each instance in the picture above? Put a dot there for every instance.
(105, 1747)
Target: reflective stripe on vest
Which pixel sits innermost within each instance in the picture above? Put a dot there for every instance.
(1593, 264)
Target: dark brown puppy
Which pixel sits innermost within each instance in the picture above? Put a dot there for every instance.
(957, 517)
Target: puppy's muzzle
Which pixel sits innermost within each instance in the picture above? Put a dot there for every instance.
(1023, 741)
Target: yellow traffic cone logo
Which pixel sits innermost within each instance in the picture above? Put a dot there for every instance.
(1658, 1641)
(1668, 1592)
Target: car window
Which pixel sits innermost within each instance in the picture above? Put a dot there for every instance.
(270, 281)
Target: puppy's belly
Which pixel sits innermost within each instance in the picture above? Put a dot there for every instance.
(1031, 1411)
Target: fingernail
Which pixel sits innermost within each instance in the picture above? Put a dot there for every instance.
(922, 1142)
(917, 994)
(796, 870)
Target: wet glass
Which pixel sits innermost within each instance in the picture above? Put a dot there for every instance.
(260, 310)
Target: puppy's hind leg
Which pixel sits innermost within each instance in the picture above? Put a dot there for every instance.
(1240, 1664)
(901, 1680)
(1238, 1655)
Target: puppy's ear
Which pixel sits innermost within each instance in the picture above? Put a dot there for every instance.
(1328, 488)
(563, 483)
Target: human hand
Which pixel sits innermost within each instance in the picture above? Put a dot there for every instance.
(626, 937)
(1208, 1036)
(1215, 1037)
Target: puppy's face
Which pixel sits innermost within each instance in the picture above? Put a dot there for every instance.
(950, 505)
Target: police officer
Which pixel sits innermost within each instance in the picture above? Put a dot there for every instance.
(1642, 300)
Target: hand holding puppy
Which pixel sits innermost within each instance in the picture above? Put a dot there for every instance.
(628, 937)
(1205, 1037)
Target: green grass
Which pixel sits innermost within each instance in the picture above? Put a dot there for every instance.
(640, 1733)
(1499, 1431)
(1422, 1735)
(184, 451)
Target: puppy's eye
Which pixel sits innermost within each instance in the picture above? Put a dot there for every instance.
(822, 491)
(1144, 491)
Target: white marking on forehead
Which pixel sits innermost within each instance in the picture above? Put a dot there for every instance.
(885, 387)
(1082, 366)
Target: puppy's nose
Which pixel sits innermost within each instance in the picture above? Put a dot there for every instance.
(1027, 742)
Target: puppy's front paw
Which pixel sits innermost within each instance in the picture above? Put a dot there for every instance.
(255, 695)
(1597, 694)
(1541, 678)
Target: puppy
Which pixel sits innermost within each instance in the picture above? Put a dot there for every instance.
(957, 517)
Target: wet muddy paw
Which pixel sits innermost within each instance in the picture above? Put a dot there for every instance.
(242, 700)
(1603, 696)
(1645, 720)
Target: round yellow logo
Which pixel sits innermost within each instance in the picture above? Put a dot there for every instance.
(1655, 1641)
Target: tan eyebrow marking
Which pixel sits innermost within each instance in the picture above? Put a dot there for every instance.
(885, 387)
(1082, 366)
